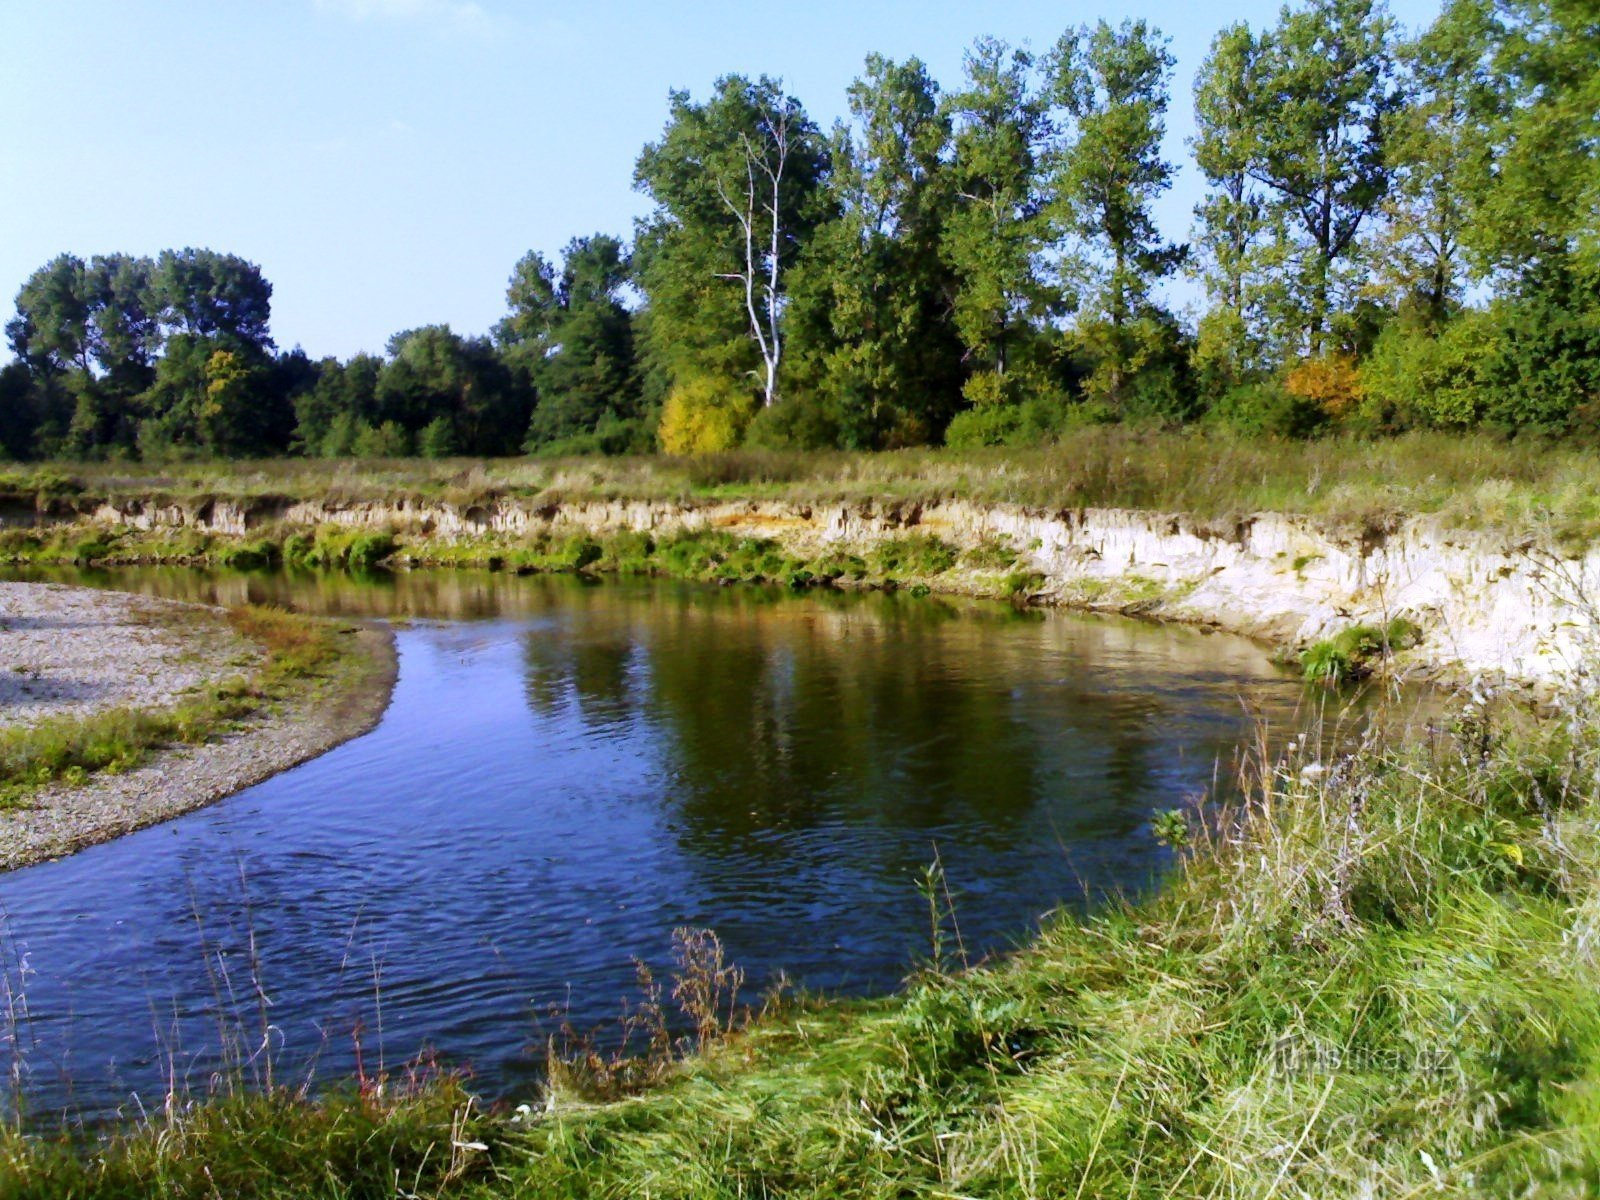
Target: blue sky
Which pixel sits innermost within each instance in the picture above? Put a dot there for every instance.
(387, 161)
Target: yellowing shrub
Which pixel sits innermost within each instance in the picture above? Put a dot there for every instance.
(1331, 382)
(704, 415)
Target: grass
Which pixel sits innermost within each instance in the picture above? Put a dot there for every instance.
(296, 650)
(1375, 976)
(1468, 481)
(1355, 653)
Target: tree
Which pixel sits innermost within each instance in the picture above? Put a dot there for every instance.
(1319, 106)
(994, 238)
(1439, 150)
(1113, 84)
(206, 294)
(888, 359)
(570, 331)
(737, 183)
(433, 372)
(1232, 220)
(1541, 203)
(343, 400)
(52, 329)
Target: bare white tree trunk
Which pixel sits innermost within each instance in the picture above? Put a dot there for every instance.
(764, 169)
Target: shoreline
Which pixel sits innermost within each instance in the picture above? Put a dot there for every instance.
(1514, 606)
(61, 818)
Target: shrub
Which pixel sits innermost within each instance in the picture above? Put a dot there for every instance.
(1268, 410)
(248, 556)
(914, 556)
(1354, 653)
(703, 415)
(1413, 377)
(793, 423)
(1030, 422)
(1330, 382)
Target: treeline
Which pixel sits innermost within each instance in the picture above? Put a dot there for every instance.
(1398, 231)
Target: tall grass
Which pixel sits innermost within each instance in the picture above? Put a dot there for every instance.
(1376, 977)
(1472, 480)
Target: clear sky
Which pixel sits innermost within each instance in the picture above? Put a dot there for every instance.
(387, 161)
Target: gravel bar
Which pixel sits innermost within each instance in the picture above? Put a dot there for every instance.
(77, 650)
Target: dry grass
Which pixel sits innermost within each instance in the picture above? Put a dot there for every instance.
(1469, 481)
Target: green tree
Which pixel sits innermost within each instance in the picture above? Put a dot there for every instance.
(1439, 149)
(1113, 84)
(1319, 107)
(570, 331)
(1541, 204)
(889, 358)
(995, 237)
(330, 415)
(1231, 223)
(206, 294)
(738, 186)
(433, 372)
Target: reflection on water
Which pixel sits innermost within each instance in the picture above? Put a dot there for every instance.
(568, 771)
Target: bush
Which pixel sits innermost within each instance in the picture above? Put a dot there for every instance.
(1355, 653)
(1268, 410)
(704, 415)
(249, 556)
(1031, 422)
(793, 423)
(1330, 382)
(1414, 378)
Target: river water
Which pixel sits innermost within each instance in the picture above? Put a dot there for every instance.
(568, 771)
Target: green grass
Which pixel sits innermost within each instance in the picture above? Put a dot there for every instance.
(296, 650)
(1374, 977)
(1355, 653)
(1469, 481)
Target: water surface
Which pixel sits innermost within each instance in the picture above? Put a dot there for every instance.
(568, 772)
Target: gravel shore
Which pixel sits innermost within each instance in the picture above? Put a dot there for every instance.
(66, 650)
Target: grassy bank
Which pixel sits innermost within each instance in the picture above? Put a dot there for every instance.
(707, 556)
(1473, 481)
(298, 655)
(1376, 978)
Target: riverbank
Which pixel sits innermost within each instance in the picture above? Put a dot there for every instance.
(1513, 604)
(1376, 977)
(121, 711)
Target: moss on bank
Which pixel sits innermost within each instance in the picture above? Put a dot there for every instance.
(1376, 977)
(707, 556)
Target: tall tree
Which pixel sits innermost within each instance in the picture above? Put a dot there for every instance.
(1320, 104)
(450, 394)
(995, 236)
(1113, 84)
(891, 358)
(1541, 204)
(737, 183)
(571, 332)
(206, 294)
(1439, 148)
(1231, 222)
(53, 328)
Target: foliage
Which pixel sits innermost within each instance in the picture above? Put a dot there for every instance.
(702, 416)
(1354, 653)
(1268, 410)
(1330, 382)
(1417, 216)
